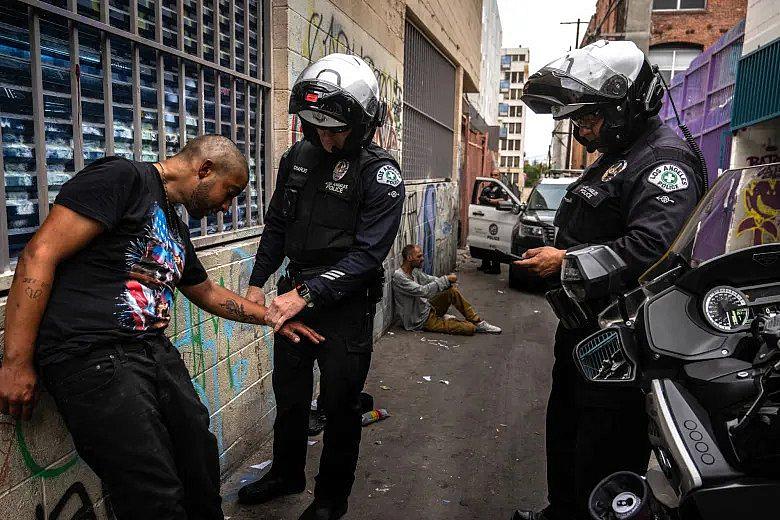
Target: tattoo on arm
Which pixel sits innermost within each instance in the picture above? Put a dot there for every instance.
(236, 311)
(34, 287)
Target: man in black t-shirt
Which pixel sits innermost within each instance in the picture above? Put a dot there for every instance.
(89, 304)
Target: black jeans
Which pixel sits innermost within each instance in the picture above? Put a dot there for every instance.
(137, 422)
(592, 432)
(344, 359)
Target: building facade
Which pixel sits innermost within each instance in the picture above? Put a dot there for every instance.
(756, 115)
(511, 114)
(487, 99)
(138, 78)
(671, 32)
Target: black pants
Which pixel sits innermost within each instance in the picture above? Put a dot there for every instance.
(343, 358)
(137, 422)
(592, 431)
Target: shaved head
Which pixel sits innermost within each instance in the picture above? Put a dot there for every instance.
(223, 153)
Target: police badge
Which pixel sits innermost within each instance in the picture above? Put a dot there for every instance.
(340, 170)
(613, 170)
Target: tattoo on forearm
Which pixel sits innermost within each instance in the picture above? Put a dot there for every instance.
(33, 287)
(236, 311)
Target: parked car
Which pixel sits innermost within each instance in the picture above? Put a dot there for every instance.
(534, 225)
(490, 226)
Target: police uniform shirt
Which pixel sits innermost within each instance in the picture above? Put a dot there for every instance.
(635, 201)
(491, 191)
(329, 178)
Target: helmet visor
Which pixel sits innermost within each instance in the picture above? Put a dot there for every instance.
(324, 106)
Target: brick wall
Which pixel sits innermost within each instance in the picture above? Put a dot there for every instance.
(700, 27)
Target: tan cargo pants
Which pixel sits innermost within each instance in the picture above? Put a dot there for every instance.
(441, 303)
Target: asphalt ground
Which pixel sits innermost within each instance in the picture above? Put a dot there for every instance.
(469, 443)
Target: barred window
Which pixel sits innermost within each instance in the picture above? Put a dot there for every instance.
(429, 109)
(135, 80)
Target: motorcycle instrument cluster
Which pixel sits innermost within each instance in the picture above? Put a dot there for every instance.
(729, 309)
(726, 309)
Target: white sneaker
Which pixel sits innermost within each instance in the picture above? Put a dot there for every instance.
(487, 328)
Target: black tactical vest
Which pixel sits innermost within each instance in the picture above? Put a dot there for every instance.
(323, 199)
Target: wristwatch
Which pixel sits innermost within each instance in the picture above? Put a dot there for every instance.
(303, 292)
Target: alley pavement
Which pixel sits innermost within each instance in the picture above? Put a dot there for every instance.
(466, 444)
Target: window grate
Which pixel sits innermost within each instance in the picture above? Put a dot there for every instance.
(429, 109)
(132, 78)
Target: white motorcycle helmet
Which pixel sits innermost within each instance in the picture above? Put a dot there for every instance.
(338, 92)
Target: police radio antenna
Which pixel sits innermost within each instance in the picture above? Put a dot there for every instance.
(687, 134)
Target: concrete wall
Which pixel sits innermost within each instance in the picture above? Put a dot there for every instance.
(762, 24)
(41, 476)
(488, 98)
(756, 144)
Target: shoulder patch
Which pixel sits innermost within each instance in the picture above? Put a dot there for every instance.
(387, 174)
(613, 170)
(669, 177)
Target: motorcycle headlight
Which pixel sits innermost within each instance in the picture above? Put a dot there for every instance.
(529, 230)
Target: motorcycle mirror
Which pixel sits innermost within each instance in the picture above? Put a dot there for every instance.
(591, 272)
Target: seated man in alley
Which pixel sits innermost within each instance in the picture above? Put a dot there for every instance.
(422, 300)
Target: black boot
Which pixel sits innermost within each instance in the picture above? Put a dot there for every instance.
(324, 510)
(268, 488)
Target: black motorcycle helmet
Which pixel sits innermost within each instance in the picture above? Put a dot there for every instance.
(338, 92)
(612, 78)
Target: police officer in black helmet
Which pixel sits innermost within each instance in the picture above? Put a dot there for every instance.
(334, 213)
(635, 198)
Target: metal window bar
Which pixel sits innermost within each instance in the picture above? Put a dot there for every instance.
(5, 260)
(248, 154)
(161, 134)
(201, 123)
(108, 107)
(158, 32)
(75, 92)
(215, 30)
(182, 105)
(264, 44)
(180, 24)
(247, 69)
(39, 126)
(233, 130)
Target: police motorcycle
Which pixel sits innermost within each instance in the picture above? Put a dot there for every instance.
(701, 337)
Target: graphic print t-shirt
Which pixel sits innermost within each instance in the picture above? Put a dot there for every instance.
(118, 289)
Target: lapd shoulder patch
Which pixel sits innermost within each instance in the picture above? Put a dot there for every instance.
(669, 177)
(387, 174)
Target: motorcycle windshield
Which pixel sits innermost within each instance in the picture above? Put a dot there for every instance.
(740, 211)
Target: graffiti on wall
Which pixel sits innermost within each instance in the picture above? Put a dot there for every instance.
(86, 510)
(198, 342)
(326, 35)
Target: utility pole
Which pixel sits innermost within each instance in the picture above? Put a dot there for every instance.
(576, 46)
